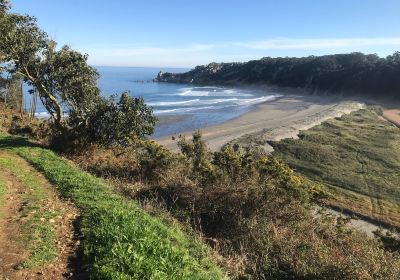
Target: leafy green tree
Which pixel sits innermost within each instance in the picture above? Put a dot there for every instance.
(67, 85)
(26, 49)
(72, 81)
(4, 5)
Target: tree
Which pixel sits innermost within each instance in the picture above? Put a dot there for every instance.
(4, 5)
(67, 85)
(62, 77)
(25, 49)
(68, 77)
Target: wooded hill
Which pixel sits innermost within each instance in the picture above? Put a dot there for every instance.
(354, 73)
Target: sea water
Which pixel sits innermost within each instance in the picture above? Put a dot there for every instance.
(179, 107)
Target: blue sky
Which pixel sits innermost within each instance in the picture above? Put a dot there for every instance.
(179, 33)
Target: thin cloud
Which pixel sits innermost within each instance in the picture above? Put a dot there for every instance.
(269, 44)
(317, 44)
(194, 54)
(154, 51)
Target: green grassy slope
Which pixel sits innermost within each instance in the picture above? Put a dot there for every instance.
(121, 241)
(357, 156)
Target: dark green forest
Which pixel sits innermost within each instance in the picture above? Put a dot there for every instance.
(349, 74)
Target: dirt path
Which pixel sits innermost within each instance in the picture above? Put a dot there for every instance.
(15, 215)
(10, 253)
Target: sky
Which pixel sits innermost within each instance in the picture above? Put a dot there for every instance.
(178, 33)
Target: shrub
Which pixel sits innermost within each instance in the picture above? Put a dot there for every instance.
(119, 123)
(253, 209)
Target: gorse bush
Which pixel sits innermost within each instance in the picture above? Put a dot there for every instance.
(196, 151)
(252, 208)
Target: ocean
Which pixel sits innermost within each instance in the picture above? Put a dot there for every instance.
(179, 107)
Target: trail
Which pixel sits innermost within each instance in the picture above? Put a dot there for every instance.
(15, 216)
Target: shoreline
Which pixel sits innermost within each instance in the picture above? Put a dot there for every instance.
(273, 120)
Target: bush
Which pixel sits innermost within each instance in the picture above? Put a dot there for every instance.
(121, 241)
(118, 123)
(256, 211)
(252, 208)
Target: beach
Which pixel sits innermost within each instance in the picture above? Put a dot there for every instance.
(273, 120)
(392, 115)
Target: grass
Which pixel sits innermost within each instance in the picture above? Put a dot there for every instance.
(3, 189)
(37, 234)
(121, 241)
(3, 192)
(357, 157)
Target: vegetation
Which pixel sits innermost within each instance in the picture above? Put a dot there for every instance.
(3, 191)
(11, 93)
(66, 85)
(354, 157)
(121, 240)
(118, 123)
(250, 207)
(352, 73)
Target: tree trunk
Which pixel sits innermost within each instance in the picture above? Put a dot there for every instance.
(44, 92)
(21, 105)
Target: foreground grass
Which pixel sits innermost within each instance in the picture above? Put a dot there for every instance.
(38, 236)
(121, 241)
(3, 192)
(357, 157)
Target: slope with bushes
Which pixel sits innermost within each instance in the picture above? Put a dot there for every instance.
(250, 207)
(357, 157)
(120, 240)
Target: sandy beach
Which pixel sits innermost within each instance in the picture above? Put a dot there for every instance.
(392, 115)
(274, 120)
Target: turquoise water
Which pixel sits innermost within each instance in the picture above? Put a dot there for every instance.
(179, 107)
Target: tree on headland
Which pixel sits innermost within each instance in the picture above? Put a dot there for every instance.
(66, 84)
(337, 74)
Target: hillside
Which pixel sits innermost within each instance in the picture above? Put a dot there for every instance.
(341, 74)
(357, 157)
(118, 239)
